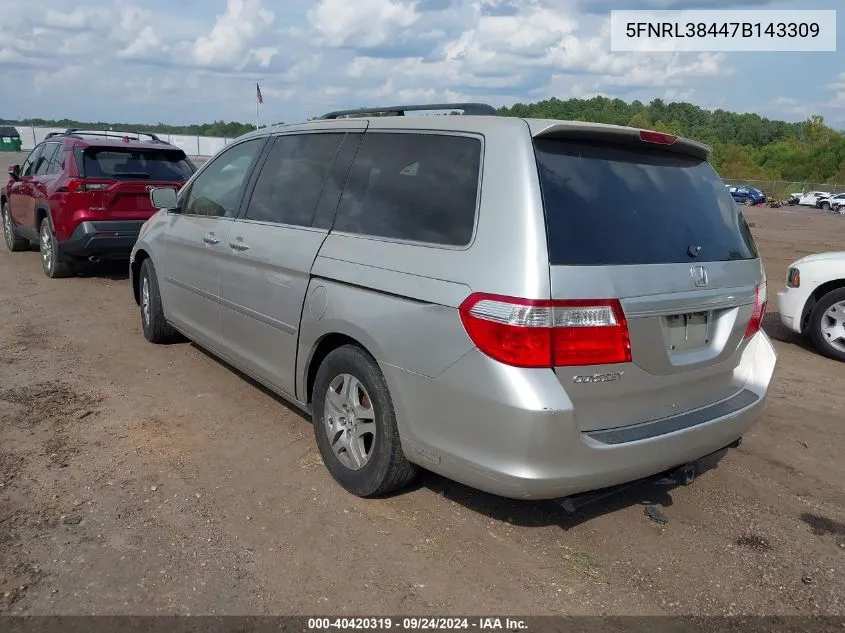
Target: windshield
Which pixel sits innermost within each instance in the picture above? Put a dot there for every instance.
(617, 205)
(134, 164)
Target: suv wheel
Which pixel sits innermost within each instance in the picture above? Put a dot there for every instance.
(355, 425)
(13, 242)
(50, 253)
(155, 326)
(827, 324)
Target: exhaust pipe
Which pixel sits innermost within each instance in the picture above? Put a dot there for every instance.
(95, 259)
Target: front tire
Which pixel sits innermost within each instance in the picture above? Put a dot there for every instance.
(156, 328)
(825, 206)
(49, 250)
(827, 325)
(355, 425)
(14, 243)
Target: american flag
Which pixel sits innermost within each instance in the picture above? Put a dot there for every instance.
(258, 94)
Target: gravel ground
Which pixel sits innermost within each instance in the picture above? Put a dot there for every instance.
(138, 479)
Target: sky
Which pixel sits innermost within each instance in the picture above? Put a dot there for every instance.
(191, 61)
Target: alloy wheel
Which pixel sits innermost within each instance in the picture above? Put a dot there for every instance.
(349, 421)
(145, 300)
(46, 246)
(7, 227)
(833, 326)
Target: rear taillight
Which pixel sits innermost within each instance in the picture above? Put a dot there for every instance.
(542, 333)
(76, 185)
(760, 302)
(649, 136)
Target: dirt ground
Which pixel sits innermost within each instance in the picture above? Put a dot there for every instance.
(138, 479)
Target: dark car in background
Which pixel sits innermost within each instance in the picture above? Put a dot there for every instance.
(747, 195)
(83, 195)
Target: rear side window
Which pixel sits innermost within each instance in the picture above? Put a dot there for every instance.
(133, 164)
(615, 205)
(418, 187)
(292, 178)
(47, 156)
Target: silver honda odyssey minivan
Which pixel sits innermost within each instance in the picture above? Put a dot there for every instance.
(534, 308)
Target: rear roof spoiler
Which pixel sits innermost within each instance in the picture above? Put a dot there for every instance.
(576, 130)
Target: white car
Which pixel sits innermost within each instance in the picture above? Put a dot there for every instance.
(833, 203)
(813, 302)
(808, 199)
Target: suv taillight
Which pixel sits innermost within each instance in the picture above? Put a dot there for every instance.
(541, 333)
(73, 185)
(760, 302)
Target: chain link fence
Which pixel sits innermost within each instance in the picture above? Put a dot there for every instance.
(782, 189)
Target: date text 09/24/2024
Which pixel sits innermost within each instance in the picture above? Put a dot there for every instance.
(417, 623)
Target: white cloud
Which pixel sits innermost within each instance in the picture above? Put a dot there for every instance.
(234, 33)
(838, 83)
(79, 18)
(363, 23)
(146, 44)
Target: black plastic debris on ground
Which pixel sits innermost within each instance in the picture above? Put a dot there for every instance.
(654, 514)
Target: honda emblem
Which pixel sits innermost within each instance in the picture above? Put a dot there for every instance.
(699, 276)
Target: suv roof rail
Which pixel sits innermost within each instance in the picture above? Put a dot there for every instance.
(399, 110)
(79, 132)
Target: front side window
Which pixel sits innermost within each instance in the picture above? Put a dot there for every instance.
(217, 191)
(27, 169)
(292, 177)
(417, 187)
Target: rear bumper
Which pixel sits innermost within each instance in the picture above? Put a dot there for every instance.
(109, 239)
(514, 432)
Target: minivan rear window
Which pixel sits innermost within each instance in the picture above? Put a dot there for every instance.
(133, 164)
(619, 205)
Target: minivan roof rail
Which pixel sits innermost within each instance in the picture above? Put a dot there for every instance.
(477, 109)
(79, 133)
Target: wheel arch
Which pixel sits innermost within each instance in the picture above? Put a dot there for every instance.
(43, 211)
(815, 296)
(324, 346)
(135, 272)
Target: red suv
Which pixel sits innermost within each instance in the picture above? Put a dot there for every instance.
(84, 195)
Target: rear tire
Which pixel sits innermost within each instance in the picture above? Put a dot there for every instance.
(826, 323)
(156, 328)
(49, 251)
(14, 243)
(360, 408)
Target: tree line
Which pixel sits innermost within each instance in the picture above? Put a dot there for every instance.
(230, 129)
(745, 146)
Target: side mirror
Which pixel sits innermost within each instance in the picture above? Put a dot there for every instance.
(14, 172)
(164, 198)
